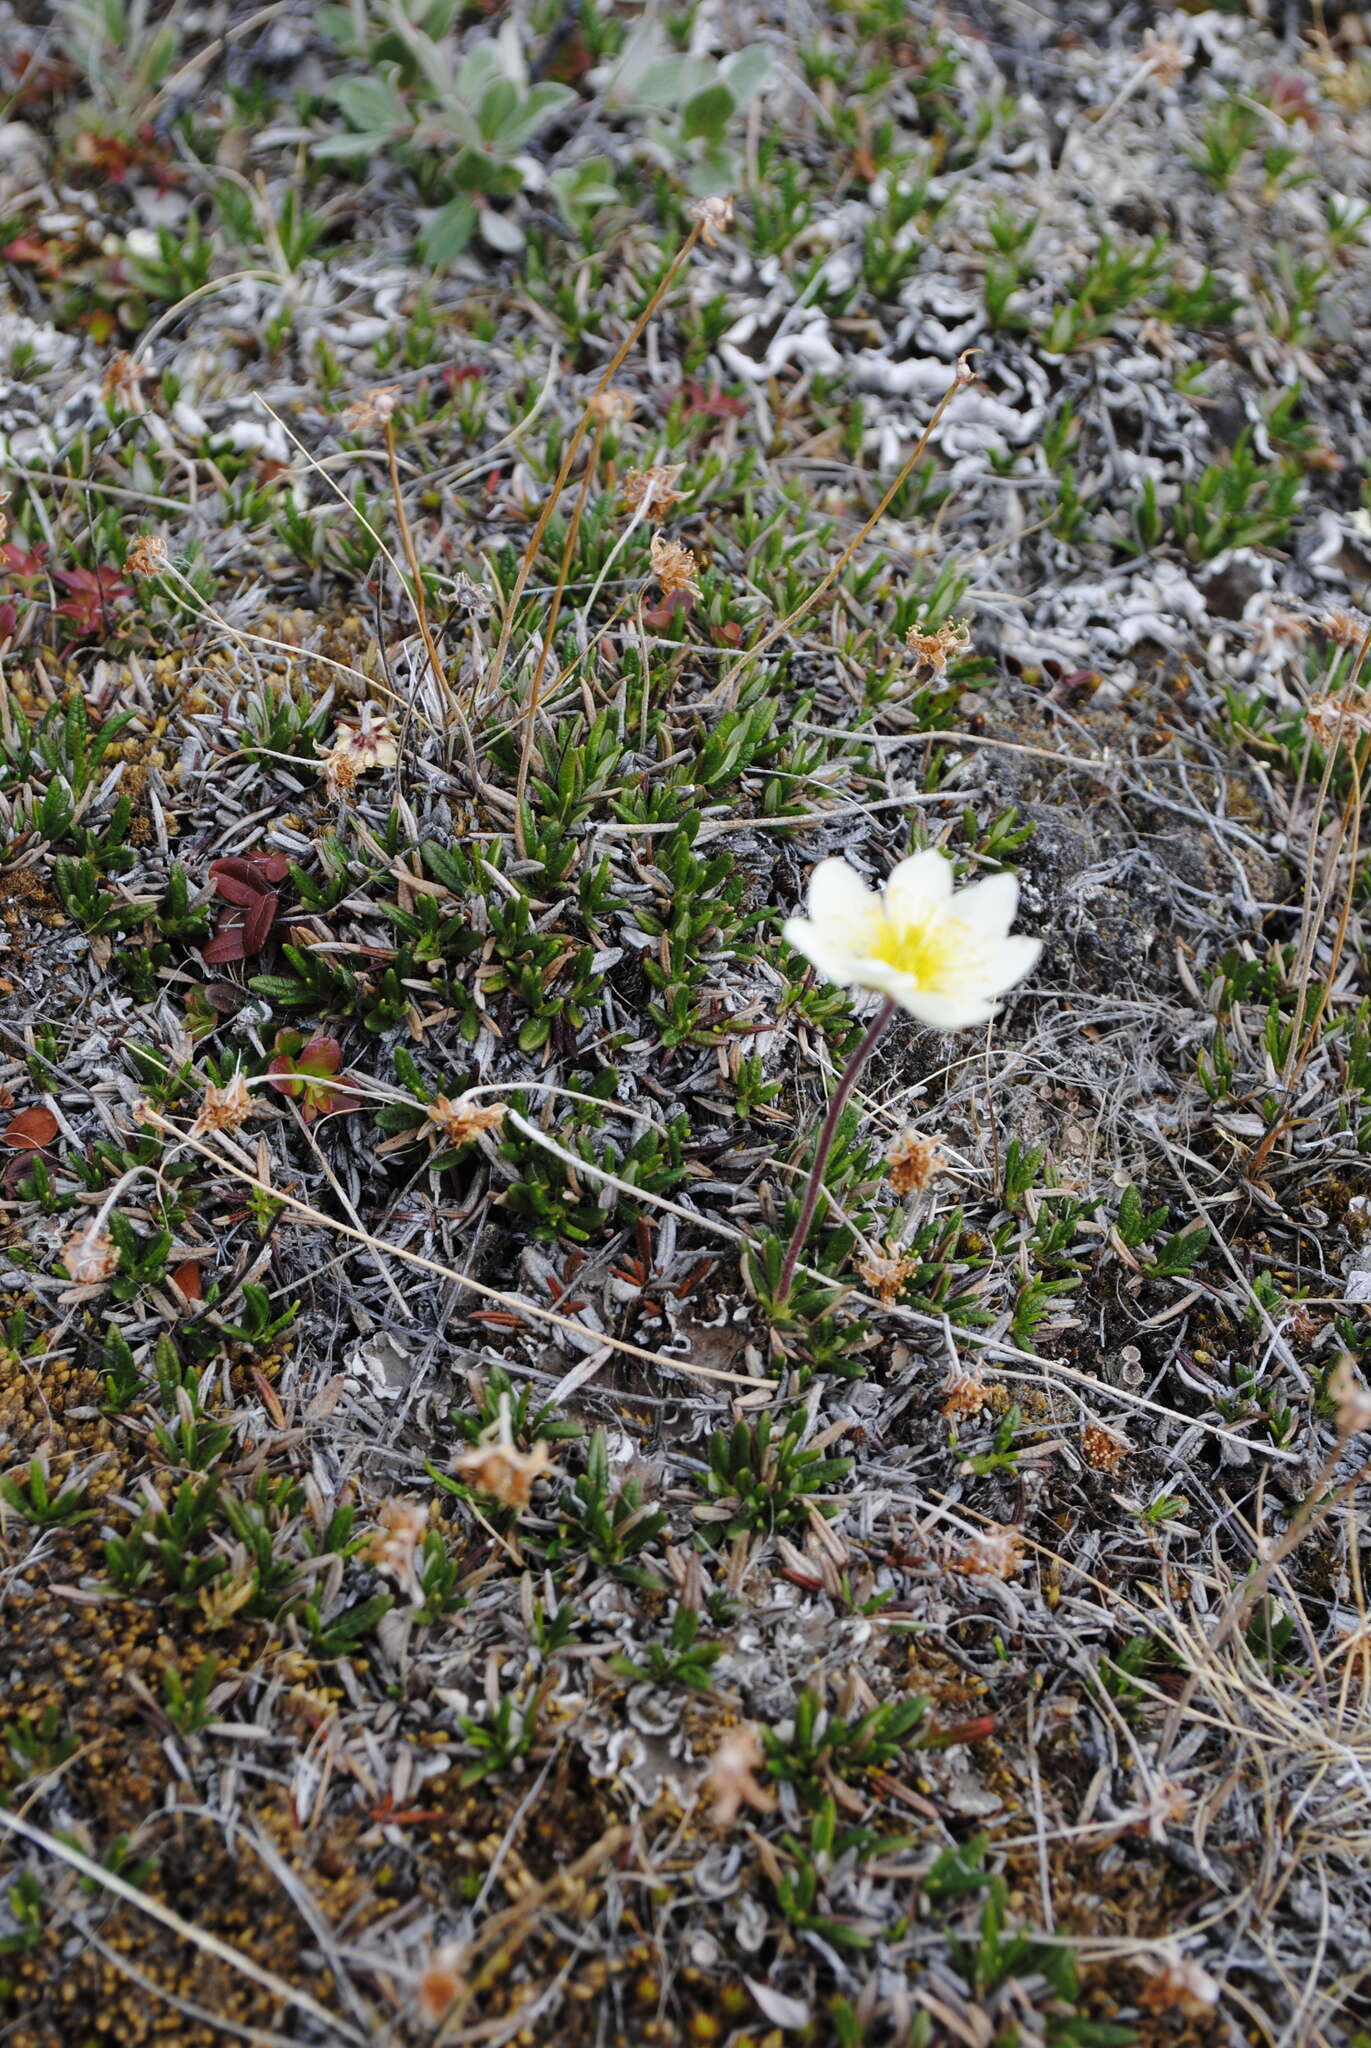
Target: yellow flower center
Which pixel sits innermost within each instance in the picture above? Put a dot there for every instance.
(934, 954)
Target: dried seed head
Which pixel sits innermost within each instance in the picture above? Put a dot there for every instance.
(227, 1108)
(89, 1256)
(914, 1163)
(394, 1547)
(613, 406)
(732, 1779)
(461, 1121)
(673, 566)
(714, 217)
(934, 650)
(994, 1554)
(1179, 1984)
(653, 491)
(1353, 1397)
(1278, 634)
(471, 598)
(122, 383)
(965, 1393)
(441, 1984)
(147, 556)
(886, 1275)
(1346, 629)
(1102, 1449)
(353, 750)
(1163, 59)
(500, 1470)
(373, 409)
(1338, 717)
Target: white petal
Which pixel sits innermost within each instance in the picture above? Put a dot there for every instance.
(1010, 960)
(949, 1013)
(917, 886)
(884, 980)
(988, 907)
(849, 913)
(835, 961)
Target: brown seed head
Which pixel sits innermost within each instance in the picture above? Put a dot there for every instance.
(733, 1780)
(1163, 58)
(934, 650)
(653, 491)
(500, 1470)
(461, 1121)
(715, 218)
(994, 1554)
(227, 1108)
(1102, 1449)
(613, 405)
(672, 565)
(886, 1274)
(441, 1984)
(394, 1547)
(147, 556)
(89, 1256)
(373, 409)
(914, 1163)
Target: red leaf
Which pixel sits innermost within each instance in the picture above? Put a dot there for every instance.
(186, 1276)
(31, 1129)
(22, 561)
(259, 921)
(227, 943)
(256, 871)
(713, 404)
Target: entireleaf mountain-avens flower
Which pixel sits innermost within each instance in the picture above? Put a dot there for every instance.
(944, 957)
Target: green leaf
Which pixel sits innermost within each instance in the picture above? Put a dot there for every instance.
(499, 232)
(372, 105)
(448, 233)
(708, 114)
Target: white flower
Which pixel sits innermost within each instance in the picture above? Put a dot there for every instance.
(944, 958)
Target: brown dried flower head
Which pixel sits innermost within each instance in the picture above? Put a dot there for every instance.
(147, 556)
(965, 1393)
(673, 565)
(714, 217)
(504, 1472)
(122, 383)
(1338, 717)
(353, 750)
(885, 1273)
(461, 1121)
(1181, 1985)
(733, 1781)
(395, 1546)
(1346, 629)
(227, 1108)
(993, 1554)
(90, 1256)
(653, 491)
(374, 408)
(471, 598)
(613, 405)
(934, 650)
(914, 1162)
(1163, 58)
(1278, 634)
(441, 1984)
(1352, 1396)
(1102, 1449)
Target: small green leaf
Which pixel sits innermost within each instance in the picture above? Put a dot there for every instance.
(448, 233)
(708, 114)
